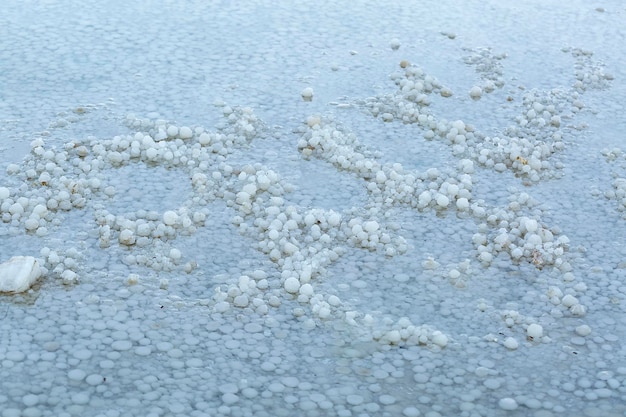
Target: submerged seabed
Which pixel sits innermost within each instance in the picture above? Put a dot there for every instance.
(439, 231)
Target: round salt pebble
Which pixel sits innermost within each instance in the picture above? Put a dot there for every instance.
(268, 366)
(253, 328)
(370, 226)
(175, 254)
(276, 387)
(230, 398)
(386, 399)
(569, 300)
(30, 400)
(424, 198)
(122, 345)
(534, 331)
(583, 330)
(292, 285)
(492, 383)
(16, 208)
(510, 343)
(334, 219)
(11, 412)
(508, 404)
(94, 379)
(439, 339)
(204, 139)
(170, 218)
(249, 392)
(241, 301)
(80, 398)
(76, 374)
(15, 356)
(485, 257)
(453, 190)
(31, 224)
(172, 131)
(411, 412)
(442, 201)
(531, 225)
(127, 237)
(354, 399)
(393, 336)
(476, 92)
(324, 313)
(395, 44)
(4, 193)
(307, 94)
(334, 301)
(462, 203)
(143, 350)
(517, 253)
(290, 381)
(306, 289)
(185, 132)
(151, 153)
(82, 354)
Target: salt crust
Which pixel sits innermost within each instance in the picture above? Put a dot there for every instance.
(301, 242)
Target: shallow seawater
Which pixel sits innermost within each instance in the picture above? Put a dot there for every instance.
(439, 230)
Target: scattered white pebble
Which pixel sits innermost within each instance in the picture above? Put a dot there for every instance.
(476, 92)
(170, 218)
(307, 94)
(510, 343)
(583, 330)
(292, 285)
(534, 331)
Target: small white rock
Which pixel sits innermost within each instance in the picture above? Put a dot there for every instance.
(170, 218)
(292, 285)
(439, 339)
(510, 343)
(569, 301)
(307, 94)
(583, 330)
(442, 201)
(534, 331)
(476, 92)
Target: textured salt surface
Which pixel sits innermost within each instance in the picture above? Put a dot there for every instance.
(435, 228)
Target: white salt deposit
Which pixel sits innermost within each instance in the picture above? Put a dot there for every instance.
(224, 246)
(18, 274)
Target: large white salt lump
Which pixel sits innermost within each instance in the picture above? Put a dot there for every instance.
(18, 274)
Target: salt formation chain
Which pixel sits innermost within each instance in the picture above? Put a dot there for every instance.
(303, 242)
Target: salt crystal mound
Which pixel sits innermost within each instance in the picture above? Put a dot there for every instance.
(526, 146)
(301, 242)
(18, 274)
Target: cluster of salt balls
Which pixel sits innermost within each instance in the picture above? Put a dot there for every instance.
(510, 230)
(516, 230)
(487, 64)
(301, 242)
(59, 180)
(525, 147)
